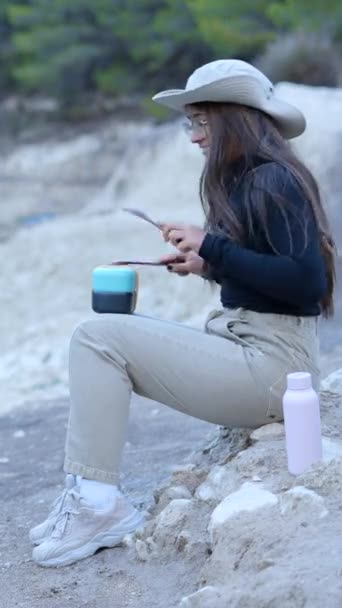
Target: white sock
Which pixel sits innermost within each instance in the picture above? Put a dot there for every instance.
(98, 494)
(70, 481)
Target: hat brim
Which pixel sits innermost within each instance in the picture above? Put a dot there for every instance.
(289, 119)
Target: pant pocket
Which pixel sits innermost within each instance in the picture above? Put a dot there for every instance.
(276, 392)
(278, 387)
(208, 325)
(231, 328)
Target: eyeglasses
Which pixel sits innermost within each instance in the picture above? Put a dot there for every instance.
(195, 125)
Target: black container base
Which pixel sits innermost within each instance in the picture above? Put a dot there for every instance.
(120, 303)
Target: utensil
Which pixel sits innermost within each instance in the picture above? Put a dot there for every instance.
(142, 215)
(140, 262)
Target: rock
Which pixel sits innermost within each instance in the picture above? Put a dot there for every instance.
(331, 449)
(171, 521)
(325, 477)
(142, 551)
(129, 541)
(183, 468)
(256, 478)
(278, 595)
(300, 499)
(223, 444)
(177, 492)
(220, 482)
(250, 462)
(207, 597)
(145, 549)
(164, 495)
(273, 430)
(181, 527)
(189, 478)
(265, 459)
(265, 563)
(249, 497)
(281, 595)
(206, 493)
(333, 382)
(183, 539)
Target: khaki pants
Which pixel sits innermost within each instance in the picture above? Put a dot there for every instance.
(231, 374)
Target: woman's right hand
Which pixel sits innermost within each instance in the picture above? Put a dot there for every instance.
(184, 264)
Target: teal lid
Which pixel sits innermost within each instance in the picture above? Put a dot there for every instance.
(114, 279)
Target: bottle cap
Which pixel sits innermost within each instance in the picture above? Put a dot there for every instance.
(299, 381)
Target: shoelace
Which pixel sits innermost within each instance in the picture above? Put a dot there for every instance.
(59, 501)
(66, 514)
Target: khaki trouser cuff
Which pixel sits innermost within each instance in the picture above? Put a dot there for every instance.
(90, 473)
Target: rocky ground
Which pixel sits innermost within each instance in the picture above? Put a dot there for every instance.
(31, 476)
(227, 526)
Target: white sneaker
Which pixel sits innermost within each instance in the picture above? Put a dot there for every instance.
(81, 530)
(41, 532)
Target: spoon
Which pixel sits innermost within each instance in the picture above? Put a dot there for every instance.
(142, 215)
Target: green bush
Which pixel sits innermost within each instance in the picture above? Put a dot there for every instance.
(302, 57)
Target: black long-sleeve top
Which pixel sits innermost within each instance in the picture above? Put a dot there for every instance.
(290, 280)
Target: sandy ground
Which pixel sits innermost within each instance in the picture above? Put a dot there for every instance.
(159, 440)
(32, 441)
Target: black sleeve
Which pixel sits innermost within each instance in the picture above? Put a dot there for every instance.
(210, 274)
(296, 273)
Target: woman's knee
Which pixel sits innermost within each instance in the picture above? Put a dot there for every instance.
(89, 332)
(100, 333)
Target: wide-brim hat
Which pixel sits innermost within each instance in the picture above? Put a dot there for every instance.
(235, 81)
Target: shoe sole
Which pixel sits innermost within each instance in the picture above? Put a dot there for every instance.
(108, 539)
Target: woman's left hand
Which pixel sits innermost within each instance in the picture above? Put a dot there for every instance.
(185, 238)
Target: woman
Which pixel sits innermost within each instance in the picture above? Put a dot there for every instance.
(267, 243)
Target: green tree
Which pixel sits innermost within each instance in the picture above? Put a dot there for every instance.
(157, 39)
(238, 27)
(58, 44)
(6, 48)
(116, 45)
(73, 48)
(301, 14)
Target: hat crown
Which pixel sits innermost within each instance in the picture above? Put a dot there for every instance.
(236, 82)
(226, 68)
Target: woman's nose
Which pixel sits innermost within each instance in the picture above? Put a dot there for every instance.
(197, 137)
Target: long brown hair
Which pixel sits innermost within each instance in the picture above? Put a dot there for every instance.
(238, 135)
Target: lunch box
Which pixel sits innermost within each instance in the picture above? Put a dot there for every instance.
(114, 289)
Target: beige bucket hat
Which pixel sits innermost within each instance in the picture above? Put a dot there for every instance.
(235, 81)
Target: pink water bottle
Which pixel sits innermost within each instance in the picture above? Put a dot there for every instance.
(302, 423)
